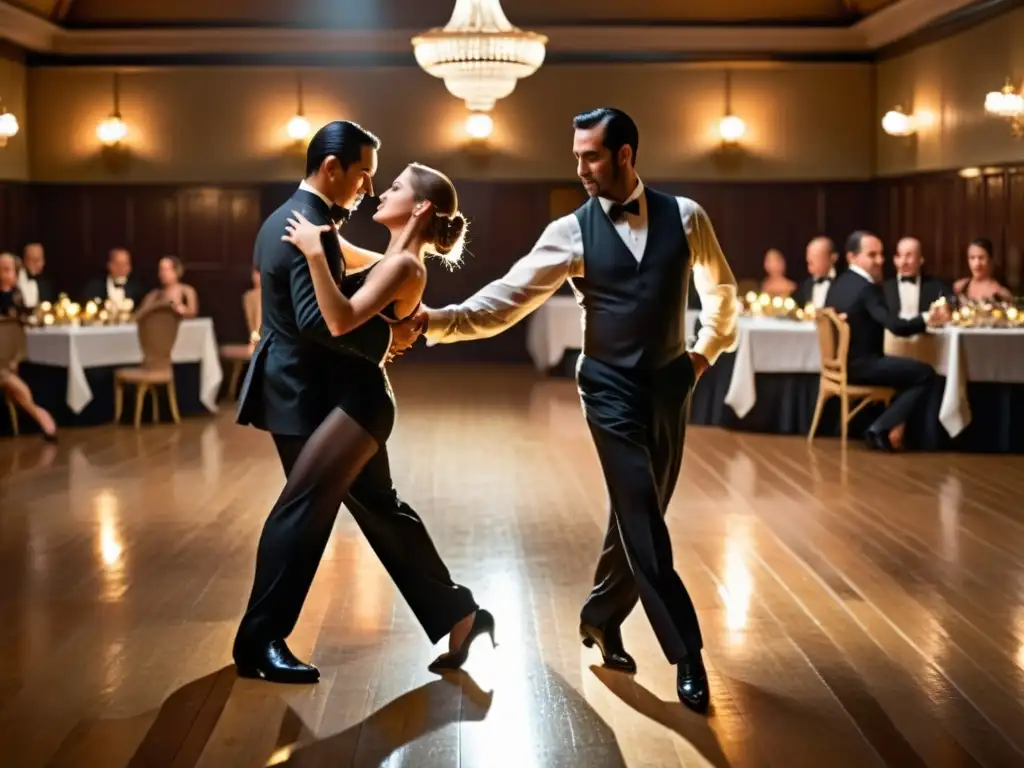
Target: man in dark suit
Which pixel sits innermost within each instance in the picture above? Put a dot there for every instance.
(287, 389)
(119, 284)
(911, 292)
(36, 287)
(821, 270)
(857, 295)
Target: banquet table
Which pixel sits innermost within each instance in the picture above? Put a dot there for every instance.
(966, 359)
(70, 368)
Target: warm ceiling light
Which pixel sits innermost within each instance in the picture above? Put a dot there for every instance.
(897, 123)
(479, 54)
(298, 128)
(479, 125)
(112, 130)
(8, 126)
(731, 128)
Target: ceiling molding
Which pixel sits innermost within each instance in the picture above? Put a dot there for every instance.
(895, 22)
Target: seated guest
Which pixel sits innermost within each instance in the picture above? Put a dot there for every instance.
(181, 297)
(857, 295)
(912, 292)
(981, 285)
(33, 283)
(12, 308)
(775, 282)
(821, 266)
(119, 283)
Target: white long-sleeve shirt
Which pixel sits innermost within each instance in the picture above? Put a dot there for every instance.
(558, 256)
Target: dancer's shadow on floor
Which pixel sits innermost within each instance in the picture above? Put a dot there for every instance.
(696, 729)
(455, 698)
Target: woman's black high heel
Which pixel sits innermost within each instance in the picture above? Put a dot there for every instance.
(483, 622)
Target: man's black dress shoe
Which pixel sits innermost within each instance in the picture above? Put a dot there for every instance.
(275, 663)
(692, 684)
(878, 441)
(609, 641)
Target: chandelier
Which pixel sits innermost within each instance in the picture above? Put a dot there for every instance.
(479, 54)
(1009, 104)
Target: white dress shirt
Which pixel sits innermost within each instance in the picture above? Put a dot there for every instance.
(910, 297)
(558, 256)
(29, 289)
(820, 290)
(115, 292)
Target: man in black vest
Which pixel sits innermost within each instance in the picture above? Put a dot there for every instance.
(628, 253)
(912, 292)
(857, 294)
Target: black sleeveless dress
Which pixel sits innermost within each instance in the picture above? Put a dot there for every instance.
(362, 389)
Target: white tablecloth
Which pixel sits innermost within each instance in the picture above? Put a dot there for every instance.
(78, 348)
(557, 326)
(769, 345)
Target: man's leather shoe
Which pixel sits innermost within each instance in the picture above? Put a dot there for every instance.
(692, 684)
(275, 663)
(609, 641)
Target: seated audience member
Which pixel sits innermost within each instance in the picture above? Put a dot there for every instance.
(982, 284)
(35, 286)
(12, 308)
(775, 282)
(119, 283)
(821, 266)
(181, 297)
(912, 292)
(857, 294)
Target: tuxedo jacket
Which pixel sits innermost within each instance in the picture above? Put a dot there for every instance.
(805, 291)
(96, 288)
(931, 290)
(45, 288)
(298, 366)
(868, 315)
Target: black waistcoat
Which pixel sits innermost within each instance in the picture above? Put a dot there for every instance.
(634, 315)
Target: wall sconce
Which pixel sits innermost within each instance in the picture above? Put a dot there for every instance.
(113, 130)
(479, 125)
(1008, 104)
(8, 125)
(298, 126)
(731, 128)
(896, 122)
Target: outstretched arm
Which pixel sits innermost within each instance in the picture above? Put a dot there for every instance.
(496, 307)
(340, 313)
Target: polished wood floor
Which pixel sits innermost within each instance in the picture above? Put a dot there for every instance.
(859, 609)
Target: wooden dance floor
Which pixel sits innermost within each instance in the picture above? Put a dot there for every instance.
(858, 609)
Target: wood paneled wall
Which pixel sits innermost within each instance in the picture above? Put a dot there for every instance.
(212, 229)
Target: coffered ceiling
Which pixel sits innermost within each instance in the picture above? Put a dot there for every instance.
(382, 14)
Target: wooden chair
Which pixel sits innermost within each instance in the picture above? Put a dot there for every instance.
(834, 346)
(12, 351)
(240, 354)
(158, 330)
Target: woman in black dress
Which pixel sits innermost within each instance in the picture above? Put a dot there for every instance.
(421, 210)
(13, 308)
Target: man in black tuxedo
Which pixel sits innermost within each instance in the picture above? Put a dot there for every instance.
(821, 268)
(911, 292)
(119, 283)
(857, 295)
(36, 287)
(286, 392)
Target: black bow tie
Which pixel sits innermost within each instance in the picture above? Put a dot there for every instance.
(908, 279)
(120, 282)
(820, 280)
(618, 209)
(339, 215)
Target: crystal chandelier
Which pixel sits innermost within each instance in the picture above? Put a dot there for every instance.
(479, 54)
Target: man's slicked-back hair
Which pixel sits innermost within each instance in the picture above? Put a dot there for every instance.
(856, 240)
(341, 138)
(619, 128)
